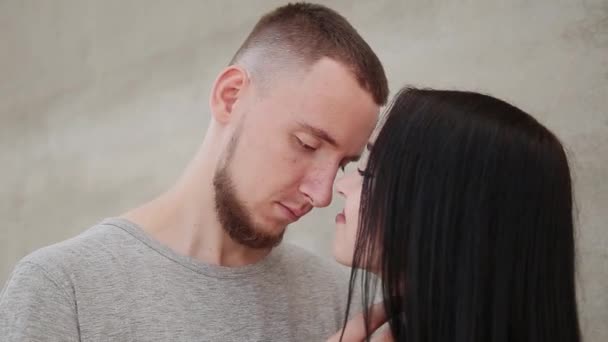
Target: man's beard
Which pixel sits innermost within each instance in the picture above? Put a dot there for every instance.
(234, 218)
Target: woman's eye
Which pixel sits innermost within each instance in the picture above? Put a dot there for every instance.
(363, 173)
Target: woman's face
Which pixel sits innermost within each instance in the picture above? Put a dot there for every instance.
(347, 222)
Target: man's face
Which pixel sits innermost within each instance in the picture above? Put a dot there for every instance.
(287, 149)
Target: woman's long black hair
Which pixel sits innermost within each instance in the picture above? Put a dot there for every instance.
(467, 215)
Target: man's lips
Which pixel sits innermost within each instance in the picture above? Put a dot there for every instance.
(293, 212)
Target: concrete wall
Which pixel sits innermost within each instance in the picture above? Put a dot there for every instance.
(102, 103)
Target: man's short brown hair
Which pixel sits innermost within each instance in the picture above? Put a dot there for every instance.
(303, 32)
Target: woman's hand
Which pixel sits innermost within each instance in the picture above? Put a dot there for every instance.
(355, 328)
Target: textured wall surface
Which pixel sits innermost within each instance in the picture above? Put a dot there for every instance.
(102, 103)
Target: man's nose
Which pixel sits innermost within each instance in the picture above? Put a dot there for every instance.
(318, 187)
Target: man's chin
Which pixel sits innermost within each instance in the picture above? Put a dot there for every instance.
(259, 238)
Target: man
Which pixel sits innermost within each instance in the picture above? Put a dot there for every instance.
(203, 261)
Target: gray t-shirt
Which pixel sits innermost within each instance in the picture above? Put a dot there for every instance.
(115, 283)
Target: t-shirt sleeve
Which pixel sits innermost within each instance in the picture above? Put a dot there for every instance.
(34, 307)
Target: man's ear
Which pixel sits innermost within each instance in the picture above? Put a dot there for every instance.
(226, 91)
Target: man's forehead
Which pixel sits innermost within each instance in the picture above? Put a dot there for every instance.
(374, 135)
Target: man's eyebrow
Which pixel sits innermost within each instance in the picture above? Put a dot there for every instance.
(319, 133)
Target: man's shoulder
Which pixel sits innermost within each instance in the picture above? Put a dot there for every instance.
(81, 251)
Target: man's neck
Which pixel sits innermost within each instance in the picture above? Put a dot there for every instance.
(185, 220)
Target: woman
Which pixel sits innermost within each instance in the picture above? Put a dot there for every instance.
(465, 213)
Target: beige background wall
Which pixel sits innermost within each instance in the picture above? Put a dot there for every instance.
(102, 103)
